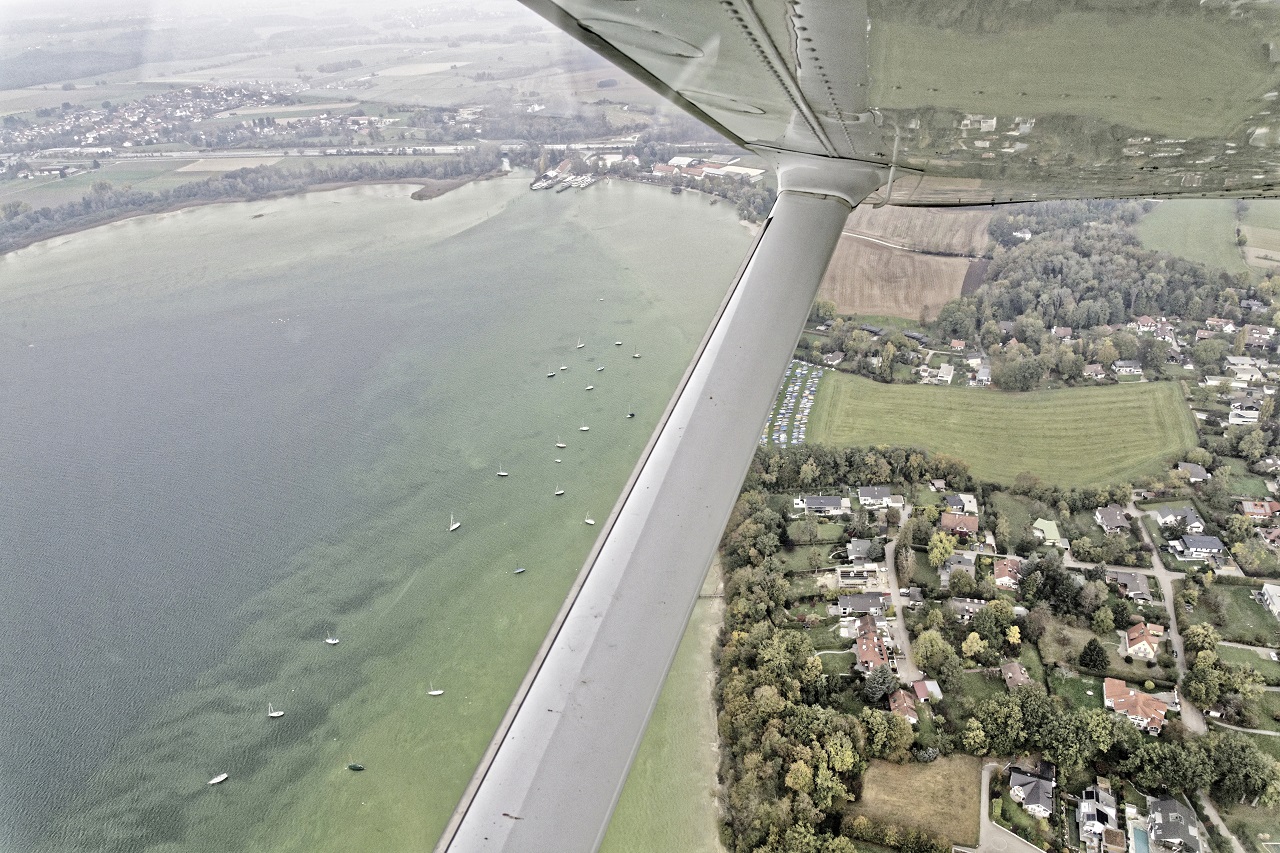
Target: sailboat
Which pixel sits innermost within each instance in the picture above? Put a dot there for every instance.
(551, 374)
(591, 387)
(331, 640)
(600, 368)
(559, 443)
(564, 367)
(584, 427)
(502, 473)
(559, 491)
(617, 343)
(272, 712)
(557, 461)
(434, 691)
(589, 519)
(631, 411)
(580, 344)
(637, 354)
(453, 525)
(219, 779)
(519, 570)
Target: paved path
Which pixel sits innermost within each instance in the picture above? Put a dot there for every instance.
(908, 672)
(1191, 716)
(1217, 821)
(1250, 731)
(992, 837)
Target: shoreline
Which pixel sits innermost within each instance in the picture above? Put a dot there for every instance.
(428, 188)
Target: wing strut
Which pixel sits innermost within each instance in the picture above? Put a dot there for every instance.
(556, 766)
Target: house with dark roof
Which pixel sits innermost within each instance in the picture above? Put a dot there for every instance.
(1032, 788)
(1095, 814)
(862, 603)
(960, 561)
(1111, 518)
(1197, 547)
(1127, 367)
(1187, 514)
(1195, 473)
(857, 549)
(966, 608)
(873, 497)
(822, 505)
(1132, 585)
(1173, 826)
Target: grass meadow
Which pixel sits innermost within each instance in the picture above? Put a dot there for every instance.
(941, 798)
(1197, 229)
(1072, 437)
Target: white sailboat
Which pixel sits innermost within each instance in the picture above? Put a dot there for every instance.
(584, 427)
(564, 367)
(519, 570)
(331, 640)
(434, 691)
(636, 354)
(591, 387)
(453, 524)
(502, 473)
(617, 343)
(557, 461)
(589, 519)
(559, 491)
(550, 374)
(560, 443)
(219, 779)
(600, 368)
(273, 713)
(580, 344)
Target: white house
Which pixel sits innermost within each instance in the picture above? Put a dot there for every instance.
(822, 505)
(873, 497)
(1271, 598)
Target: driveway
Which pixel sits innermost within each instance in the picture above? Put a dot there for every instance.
(908, 672)
(992, 837)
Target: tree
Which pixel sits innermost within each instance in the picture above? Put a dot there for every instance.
(973, 646)
(1201, 637)
(879, 683)
(888, 736)
(961, 584)
(1013, 636)
(1094, 656)
(941, 547)
(814, 559)
(974, 738)
(932, 651)
(1103, 622)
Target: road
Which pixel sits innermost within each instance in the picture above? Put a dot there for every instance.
(1217, 821)
(992, 837)
(1191, 716)
(908, 672)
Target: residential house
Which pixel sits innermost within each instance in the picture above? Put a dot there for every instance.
(1095, 372)
(957, 344)
(983, 377)
(1143, 640)
(873, 497)
(1111, 518)
(1132, 585)
(857, 575)
(1014, 675)
(966, 608)
(903, 704)
(1259, 510)
(915, 597)
(1166, 332)
(1246, 374)
(1047, 532)
(1197, 547)
(862, 603)
(1143, 710)
(960, 561)
(1062, 333)
(925, 690)
(1195, 473)
(945, 374)
(1143, 324)
(1270, 535)
(822, 505)
(868, 645)
(857, 550)
(1173, 826)
(1007, 572)
(1032, 788)
(1271, 598)
(1095, 814)
(1194, 523)
(963, 526)
(1218, 324)
(832, 359)
(1127, 367)
(1258, 336)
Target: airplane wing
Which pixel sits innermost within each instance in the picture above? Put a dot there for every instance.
(919, 102)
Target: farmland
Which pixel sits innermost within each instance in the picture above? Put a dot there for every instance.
(941, 798)
(1201, 230)
(868, 278)
(1072, 437)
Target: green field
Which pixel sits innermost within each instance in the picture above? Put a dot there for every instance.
(1071, 437)
(941, 798)
(1242, 481)
(1197, 229)
(1077, 691)
(1270, 669)
(1242, 620)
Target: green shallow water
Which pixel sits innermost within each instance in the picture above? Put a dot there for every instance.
(234, 429)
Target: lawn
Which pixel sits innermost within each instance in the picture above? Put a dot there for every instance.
(1030, 658)
(1247, 823)
(1071, 437)
(1197, 229)
(925, 575)
(1018, 820)
(1241, 619)
(1242, 481)
(1262, 663)
(979, 687)
(940, 798)
(1076, 690)
(1062, 643)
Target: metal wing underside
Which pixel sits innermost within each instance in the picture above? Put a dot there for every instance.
(984, 101)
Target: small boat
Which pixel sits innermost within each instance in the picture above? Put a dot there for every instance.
(551, 374)
(589, 520)
(453, 524)
(583, 428)
(519, 571)
(564, 367)
(559, 443)
(557, 461)
(332, 640)
(502, 473)
(591, 387)
(219, 779)
(580, 344)
(356, 767)
(559, 492)
(600, 368)
(637, 354)
(631, 413)
(434, 691)
(617, 343)
(273, 713)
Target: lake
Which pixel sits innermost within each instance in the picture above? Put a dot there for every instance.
(233, 431)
